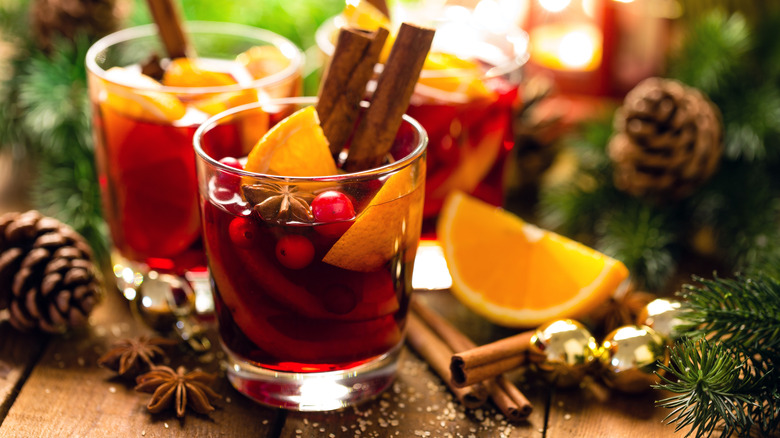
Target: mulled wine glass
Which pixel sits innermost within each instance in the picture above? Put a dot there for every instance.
(143, 131)
(311, 308)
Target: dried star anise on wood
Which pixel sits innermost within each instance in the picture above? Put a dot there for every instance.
(168, 386)
(279, 202)
(133, 354)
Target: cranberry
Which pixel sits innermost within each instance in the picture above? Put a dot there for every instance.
(333, 206)
(226, 180)
(244, 233)
(294, 251)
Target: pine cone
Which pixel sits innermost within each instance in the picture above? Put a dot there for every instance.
(50, 19)
(668, 140)
(47, 278)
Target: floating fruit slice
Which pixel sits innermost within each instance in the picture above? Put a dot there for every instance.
(296, 146)
(262, 61)
(389, 225)
(446, 72)
(518, 275)
(186, 72)
(142, 103)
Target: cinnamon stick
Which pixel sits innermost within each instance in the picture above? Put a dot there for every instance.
(510, 400)
(169, 25)
(344, 85)
(437, 354)
(494, 358)
(507, 397)
(375, 133)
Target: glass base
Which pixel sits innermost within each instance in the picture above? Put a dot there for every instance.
(324, 391)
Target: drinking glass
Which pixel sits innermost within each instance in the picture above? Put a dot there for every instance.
(468, 119)
(311, 313)
(467, 115)
(146, 166)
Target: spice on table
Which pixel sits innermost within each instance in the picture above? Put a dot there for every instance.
(134, 354)
(490, 360)
(507, 397)
(437, 354)
(178, 387)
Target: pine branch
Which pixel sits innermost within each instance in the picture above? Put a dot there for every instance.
(644, 238)
(742, 313)
(714, 391)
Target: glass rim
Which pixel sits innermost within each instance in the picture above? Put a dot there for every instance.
(513, 63)
(213, 121)
(287, 47)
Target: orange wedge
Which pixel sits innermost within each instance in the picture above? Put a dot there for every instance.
(389, 226)
(133, 94)
(518, 275)
(446, 72)
(296, 146)
(364, 15)
(186, 72)
(262, 61)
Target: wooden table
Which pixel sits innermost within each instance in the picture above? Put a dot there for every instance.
(52, 386)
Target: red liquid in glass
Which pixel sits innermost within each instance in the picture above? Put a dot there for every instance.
(314, 319)
(468, 143)
(149, 189)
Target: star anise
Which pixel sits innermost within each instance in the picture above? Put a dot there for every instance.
(279, 202)
(133, 354)
(179, 387)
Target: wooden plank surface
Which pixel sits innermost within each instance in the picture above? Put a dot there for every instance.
(66, 394)
(18, 355)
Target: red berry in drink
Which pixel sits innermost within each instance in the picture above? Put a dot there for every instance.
(336, 210)
(332, 206)
(226, 180)
(294, 251)
(243, 232)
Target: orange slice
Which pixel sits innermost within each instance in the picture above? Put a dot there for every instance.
(446, 72)
(364, 15)
(518, 275)
(186, 72)
(262, 61)
(132, 94)
(296, 146)
(389, 226)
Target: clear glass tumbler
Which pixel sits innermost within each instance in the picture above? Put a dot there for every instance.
(143, 135)
(311, 312)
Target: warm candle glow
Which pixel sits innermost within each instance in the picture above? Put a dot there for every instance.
(554, 5)
(567, 47)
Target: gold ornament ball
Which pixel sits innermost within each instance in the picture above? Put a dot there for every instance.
(663, 316)
(563, 350)
(629, 357)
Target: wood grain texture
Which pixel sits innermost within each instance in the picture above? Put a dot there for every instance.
(18, 354)
(67, 394)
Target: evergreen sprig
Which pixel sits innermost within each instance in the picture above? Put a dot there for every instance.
(743, 312)
(725, 374)
(713, 392)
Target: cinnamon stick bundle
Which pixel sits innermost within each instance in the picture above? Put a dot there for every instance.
(344, 84)
(507, 397)
(376, 131)
(490, 360)
(437, 354)
(169, 26)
